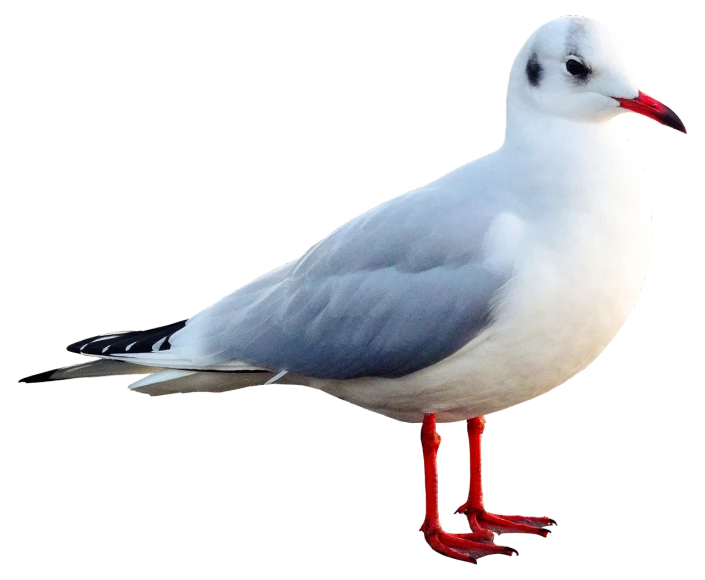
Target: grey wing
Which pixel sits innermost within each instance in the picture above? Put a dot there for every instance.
(389, 293)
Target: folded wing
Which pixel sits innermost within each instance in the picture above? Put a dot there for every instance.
(391, 292)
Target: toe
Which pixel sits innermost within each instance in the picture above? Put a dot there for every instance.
(442, 548)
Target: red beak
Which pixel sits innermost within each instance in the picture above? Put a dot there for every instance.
(651, 108)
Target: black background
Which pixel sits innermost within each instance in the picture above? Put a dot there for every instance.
(90, 248)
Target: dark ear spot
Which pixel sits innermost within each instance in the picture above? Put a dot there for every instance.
(533, 70)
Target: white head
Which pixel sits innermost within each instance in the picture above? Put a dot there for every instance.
(574, 68)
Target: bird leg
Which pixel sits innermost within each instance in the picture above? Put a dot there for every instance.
(466, 547)
(481, 520)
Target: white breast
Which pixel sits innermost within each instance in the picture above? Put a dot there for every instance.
(578, 264)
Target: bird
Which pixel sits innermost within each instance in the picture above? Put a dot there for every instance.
(486, 288)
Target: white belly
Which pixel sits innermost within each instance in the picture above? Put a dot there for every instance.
(574, 286)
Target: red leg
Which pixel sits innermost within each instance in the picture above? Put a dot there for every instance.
(474, 508)
(467, 547)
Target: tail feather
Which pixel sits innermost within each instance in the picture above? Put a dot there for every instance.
(96, 368)
(147, 351)
(159, 381)
(168, 381)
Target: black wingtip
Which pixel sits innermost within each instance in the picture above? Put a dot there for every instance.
(40, 378)
(76, 346)
(139, 341)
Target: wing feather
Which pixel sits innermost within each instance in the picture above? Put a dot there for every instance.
(391, 292)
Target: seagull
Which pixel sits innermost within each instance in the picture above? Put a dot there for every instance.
(484, 289)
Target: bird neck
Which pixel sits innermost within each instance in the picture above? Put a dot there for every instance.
(529, 129)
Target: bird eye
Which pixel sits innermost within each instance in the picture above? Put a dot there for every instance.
(577, 68)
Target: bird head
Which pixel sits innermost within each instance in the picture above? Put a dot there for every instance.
(576, 69)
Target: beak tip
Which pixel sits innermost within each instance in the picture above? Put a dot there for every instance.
(670, 119)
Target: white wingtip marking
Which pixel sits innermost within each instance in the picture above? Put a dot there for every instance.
(161, 376)
(157, 345)
(129, 346)
(276, 377)
(106, 348)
